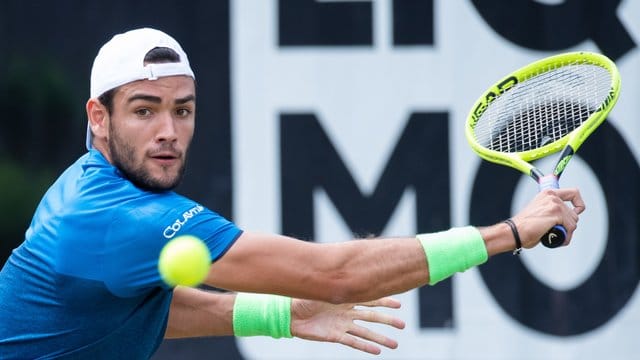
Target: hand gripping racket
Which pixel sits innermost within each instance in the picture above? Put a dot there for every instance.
(550, 105)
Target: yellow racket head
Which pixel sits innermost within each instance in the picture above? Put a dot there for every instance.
(539, 109)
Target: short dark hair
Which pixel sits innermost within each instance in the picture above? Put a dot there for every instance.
(156, 55)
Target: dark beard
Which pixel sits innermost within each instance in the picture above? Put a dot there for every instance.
(122, 156)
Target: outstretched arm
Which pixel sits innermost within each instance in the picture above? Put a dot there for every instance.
(362, 270)
(198, 313)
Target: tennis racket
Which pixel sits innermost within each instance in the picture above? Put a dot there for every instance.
(549, 105)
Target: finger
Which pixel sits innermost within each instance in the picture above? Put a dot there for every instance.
(572, 195)
(370, 335)
(377, 317)
(358, 344)
(570, 224)
(388, 302)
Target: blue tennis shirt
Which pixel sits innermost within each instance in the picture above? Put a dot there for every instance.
(85, 284)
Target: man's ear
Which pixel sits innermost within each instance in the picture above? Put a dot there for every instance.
(98, 118)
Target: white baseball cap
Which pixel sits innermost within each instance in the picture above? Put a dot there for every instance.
(121, 61)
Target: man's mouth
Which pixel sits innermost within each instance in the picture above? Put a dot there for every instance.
(165, 157)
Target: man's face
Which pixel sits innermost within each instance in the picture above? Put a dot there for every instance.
(150, 130)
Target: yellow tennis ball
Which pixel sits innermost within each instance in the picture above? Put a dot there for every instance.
(185, 261)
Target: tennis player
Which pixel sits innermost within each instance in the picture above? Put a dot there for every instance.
(85, 283)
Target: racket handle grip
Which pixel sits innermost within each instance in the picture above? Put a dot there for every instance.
(556, 236)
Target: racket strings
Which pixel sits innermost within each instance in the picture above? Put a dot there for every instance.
(544, 108)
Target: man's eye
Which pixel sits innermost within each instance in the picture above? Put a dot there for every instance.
(183, 112)
(143, 112)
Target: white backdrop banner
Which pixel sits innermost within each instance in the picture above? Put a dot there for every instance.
(347, 120)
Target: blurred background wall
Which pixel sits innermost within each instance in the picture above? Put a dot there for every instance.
(329, 119)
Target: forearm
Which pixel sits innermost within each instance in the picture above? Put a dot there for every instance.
(463, 248)
(358, 270)
(497, 238)
(197, 313)
(200, 313)
(368, 269)
(336, 273)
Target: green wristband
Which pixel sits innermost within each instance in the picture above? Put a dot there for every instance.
(262, 314)
(451, 251)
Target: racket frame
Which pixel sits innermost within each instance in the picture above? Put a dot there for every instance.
(570, 142)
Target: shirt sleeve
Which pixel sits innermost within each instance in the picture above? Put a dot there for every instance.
(136, 236)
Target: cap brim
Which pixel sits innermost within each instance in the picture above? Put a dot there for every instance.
(88, 143)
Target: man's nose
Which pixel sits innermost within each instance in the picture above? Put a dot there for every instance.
(166, 129)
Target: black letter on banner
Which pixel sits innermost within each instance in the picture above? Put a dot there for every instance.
(597, 300)
(413, 22)
(420, 161)
(555, 27)
(313, 23)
